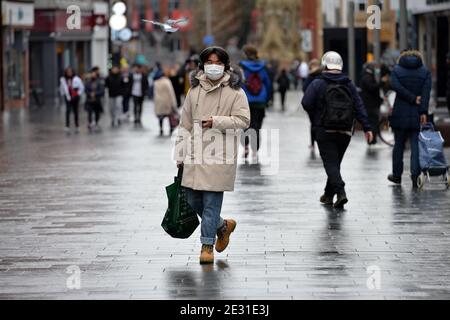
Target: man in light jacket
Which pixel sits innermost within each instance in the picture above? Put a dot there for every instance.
(215, 109)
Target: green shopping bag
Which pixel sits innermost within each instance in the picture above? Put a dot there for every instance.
(180, 220)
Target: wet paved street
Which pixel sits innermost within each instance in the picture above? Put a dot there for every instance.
(96, 202)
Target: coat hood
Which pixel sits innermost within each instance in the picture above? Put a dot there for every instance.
(340, 78)
(158, 75)
(231, 78)
(411, 60)
(253, 65)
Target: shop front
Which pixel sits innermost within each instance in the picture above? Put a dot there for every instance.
(53, 47)
(434, 38)
(17, 20)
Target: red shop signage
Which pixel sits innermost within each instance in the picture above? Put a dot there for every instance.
(56, 21)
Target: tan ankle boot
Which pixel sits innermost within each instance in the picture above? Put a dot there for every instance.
(207, 255)
(223, 235)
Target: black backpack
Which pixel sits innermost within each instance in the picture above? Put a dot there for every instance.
(339, 107)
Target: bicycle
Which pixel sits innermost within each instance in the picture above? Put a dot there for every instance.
(385, 132)
(37, 94)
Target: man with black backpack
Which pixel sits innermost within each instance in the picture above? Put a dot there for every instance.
(258, 88)
(333, 103)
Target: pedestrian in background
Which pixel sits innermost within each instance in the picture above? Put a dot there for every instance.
(95, 91)
(116, 87)
(177, 82)
(272, 70)
(139, 89)
(283, 86)
(411, 80)
(258, 88)
(190, 66)
(71, 88)
(294, 73)
(315, 70)
(333, 102)
(126, 76)
(217, 104)
(151, 76)
(165, 100)
(371, 96)
(303, 71)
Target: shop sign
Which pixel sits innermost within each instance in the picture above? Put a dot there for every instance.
(17, 14)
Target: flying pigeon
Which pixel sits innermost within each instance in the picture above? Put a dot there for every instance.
(177, 22)
(164, 26)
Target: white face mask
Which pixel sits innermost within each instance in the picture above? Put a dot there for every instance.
(214, 71)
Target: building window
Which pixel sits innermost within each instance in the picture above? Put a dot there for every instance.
(175, 45)
(156, 9)
(362, 7)
(173, 5)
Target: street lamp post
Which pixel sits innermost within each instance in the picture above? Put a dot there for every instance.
(351, 40)
(208, 18)
(110, 4)
(377, 40)
(403, 25)
(1, 62)
(117, 22)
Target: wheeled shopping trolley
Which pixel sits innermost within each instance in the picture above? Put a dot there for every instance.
(432, 158)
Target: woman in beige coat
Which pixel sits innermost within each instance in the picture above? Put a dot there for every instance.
(214, 114)
(165, 99)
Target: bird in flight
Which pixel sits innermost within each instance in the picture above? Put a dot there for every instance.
(169, 26)
(181, 21)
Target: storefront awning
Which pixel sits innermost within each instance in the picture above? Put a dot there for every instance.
(435, 8)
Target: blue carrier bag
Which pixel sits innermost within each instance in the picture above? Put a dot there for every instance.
(431, 149)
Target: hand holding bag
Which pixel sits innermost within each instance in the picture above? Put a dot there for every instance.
(180, 220)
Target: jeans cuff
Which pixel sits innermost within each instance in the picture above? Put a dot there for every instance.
(208, 241)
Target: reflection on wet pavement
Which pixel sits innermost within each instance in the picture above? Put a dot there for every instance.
(96, 201)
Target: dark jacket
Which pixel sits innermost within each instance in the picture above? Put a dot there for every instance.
(283, 82)
(311, 77)
(312, 100)
(127, 84)
(370, 93)
(115, 85)
(259, 67)
(448, 79)
(144, 83)
(410, 79)
(95, 90)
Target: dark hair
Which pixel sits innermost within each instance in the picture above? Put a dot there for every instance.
(67, 70)
(221, 54)
(251, 52)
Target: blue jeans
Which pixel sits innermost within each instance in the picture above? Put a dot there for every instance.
(208, 206)
(401, 136)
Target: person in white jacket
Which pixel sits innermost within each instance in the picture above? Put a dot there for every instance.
(71, 88)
